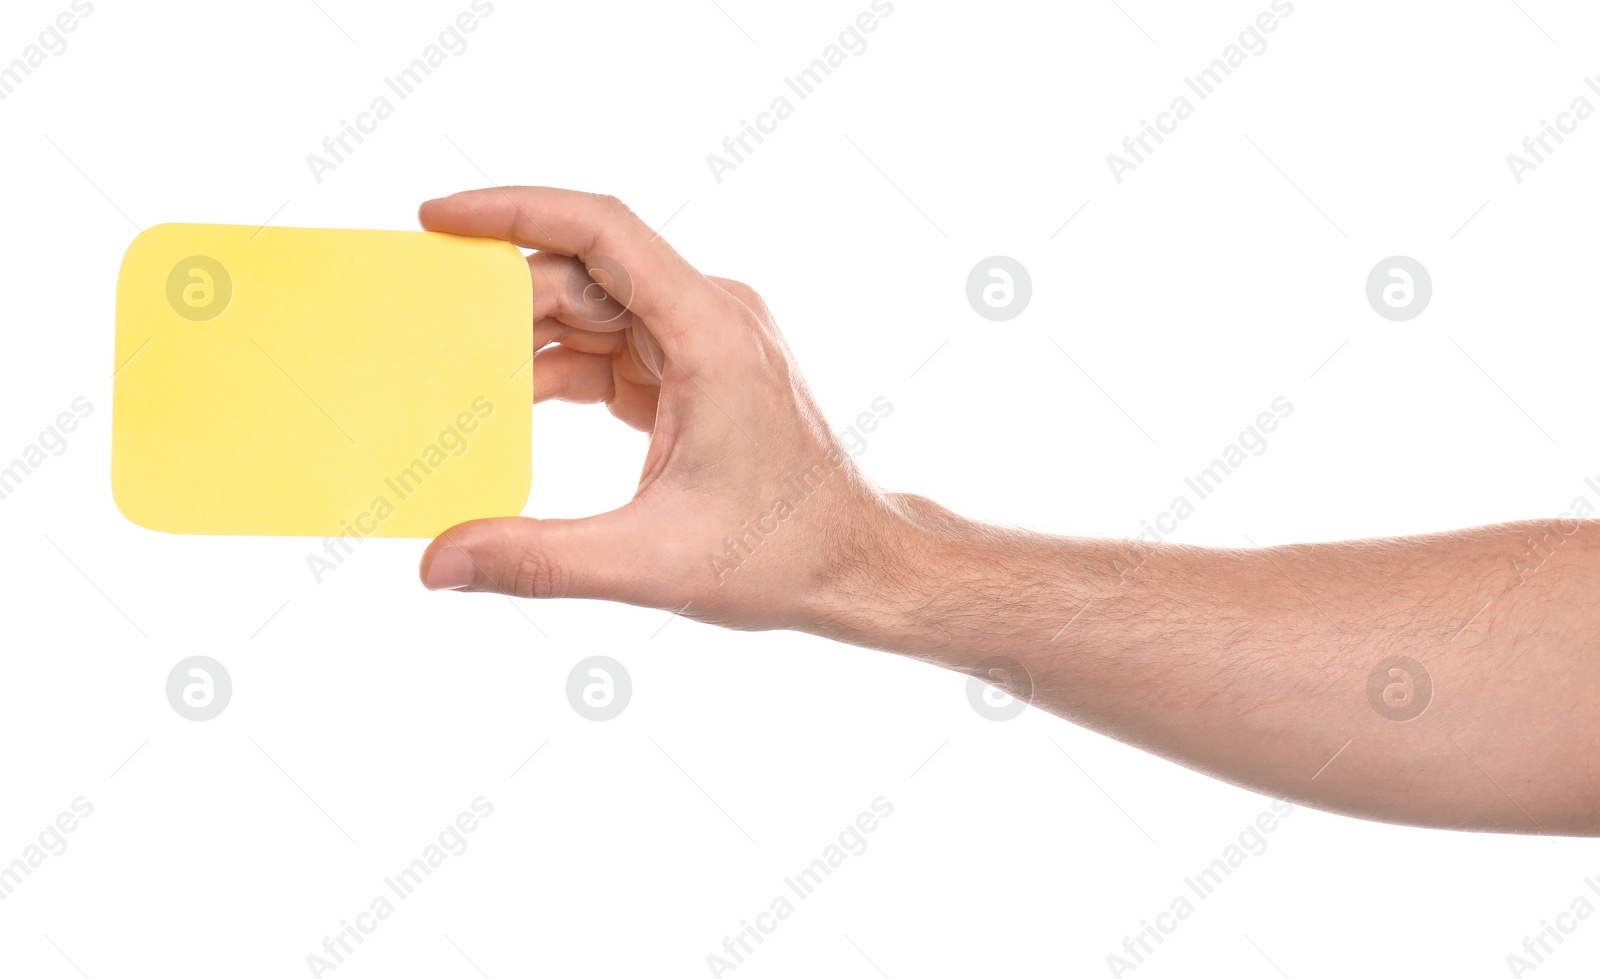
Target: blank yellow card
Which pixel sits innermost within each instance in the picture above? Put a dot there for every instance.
(320, 383)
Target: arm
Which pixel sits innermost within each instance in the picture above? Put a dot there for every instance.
(1274, 668)
(1253, 666)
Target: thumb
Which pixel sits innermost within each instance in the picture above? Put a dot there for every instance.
(530, 558)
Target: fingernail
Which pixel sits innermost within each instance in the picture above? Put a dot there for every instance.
(451, 568)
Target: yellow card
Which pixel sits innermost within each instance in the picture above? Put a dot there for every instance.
(320, 383)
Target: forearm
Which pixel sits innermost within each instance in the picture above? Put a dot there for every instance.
(1255, 665)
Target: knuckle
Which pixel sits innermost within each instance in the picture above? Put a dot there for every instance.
(537, 576)
(742, 303)
(614, 205)
(757, 308)
(746, 295)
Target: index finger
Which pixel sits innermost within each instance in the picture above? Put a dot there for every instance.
(681, 307)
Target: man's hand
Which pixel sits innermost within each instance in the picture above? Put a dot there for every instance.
(735, 438)
(1262, 667)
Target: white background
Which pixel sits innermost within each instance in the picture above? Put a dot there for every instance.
(1173, 308)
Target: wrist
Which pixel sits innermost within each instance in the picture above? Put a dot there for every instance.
(891, 574)
(929, 583)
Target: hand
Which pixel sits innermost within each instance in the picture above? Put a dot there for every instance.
(749, 512)
(1250, 665)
